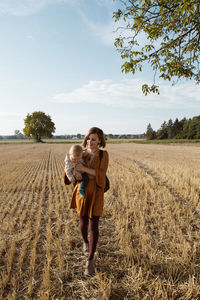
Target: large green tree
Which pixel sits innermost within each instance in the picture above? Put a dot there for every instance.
(38, 125)
(170, 30)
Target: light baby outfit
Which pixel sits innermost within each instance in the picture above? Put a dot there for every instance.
(70, 170)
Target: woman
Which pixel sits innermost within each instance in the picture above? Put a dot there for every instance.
(90, 208)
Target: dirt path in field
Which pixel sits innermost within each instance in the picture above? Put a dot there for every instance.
(110, 264)
(186, 202)
(67, 269)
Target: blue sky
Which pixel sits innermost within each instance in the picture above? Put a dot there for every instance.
(58, 56)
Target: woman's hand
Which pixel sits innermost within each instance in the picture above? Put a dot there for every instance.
(84, 169)
(78, 176)
(80, 168)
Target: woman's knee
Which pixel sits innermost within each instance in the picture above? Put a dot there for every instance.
(94, 224)
(83, 221)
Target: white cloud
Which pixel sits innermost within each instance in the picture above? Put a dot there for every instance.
(127, 93)
(102, 31)
(27, 7)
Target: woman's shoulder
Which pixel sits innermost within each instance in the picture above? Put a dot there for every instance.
(103, 153)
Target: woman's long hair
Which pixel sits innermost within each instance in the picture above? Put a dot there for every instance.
(100, 134)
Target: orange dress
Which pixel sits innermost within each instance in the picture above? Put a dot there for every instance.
(92, 203)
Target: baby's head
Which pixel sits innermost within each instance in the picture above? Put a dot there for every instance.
(75, 153)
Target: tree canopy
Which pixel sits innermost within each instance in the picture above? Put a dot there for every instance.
(150, 133)
(171, 38)
(18, 134)
(38, 125)
(179, 129)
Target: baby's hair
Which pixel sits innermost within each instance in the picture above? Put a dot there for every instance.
(76, 150)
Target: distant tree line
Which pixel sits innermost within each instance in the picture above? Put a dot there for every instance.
(39, 126)
(124, 136)
(179, 129)
(20, 136)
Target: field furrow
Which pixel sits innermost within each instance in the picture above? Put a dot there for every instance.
(149, 245)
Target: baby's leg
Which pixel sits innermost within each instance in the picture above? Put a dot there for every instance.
(83, 184)
(84, 181)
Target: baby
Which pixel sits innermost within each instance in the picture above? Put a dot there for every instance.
(73, 158)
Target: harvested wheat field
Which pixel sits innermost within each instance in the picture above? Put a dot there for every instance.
(149, 245)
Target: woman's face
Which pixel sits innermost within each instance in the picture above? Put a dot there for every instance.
(93, 141)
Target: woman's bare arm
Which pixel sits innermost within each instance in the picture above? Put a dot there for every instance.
(89, 171)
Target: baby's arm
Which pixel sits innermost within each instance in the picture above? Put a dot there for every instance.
(69, 170)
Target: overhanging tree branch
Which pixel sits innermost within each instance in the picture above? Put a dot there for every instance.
(175, 25)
